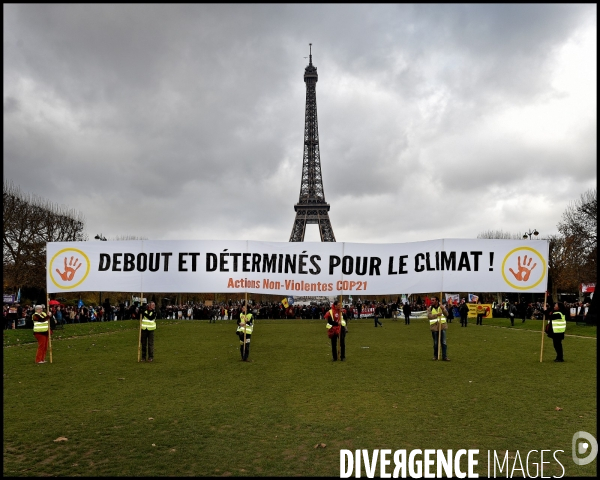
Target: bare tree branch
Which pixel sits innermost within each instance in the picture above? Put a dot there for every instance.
(579, 227)
(499, 235)
(28, 223)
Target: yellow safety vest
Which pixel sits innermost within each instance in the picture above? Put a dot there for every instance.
(434, 311)
(559, 325)
(333, 318)
(148, 324)
(43, 326)
(246, 318)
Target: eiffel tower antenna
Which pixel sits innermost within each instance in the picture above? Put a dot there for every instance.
(311, 206)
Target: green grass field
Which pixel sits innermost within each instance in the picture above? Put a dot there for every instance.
(197, 410)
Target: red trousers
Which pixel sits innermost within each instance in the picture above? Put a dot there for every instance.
(42, 347)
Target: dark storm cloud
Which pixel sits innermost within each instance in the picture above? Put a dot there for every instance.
(193, 115)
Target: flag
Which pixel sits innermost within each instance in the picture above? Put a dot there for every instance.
(18, 300)
(290, 300)
(585, 288)
(473, 298)
(452, 298)
(285, 303)
(80, 303)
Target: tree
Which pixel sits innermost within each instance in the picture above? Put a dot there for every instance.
(560, 266)
(129, 237)
(578, 228)
(499, 235)
(28, 223)
(580, 220)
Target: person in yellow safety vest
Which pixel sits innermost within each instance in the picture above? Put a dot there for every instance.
(148, 327)
(336, 328)
(41, 325)
(245, 325)
(556, 330)
(437, 315)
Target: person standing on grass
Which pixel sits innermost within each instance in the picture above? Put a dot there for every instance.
(245, 327)
(406, 311)
(512, 313)
(41, 325)
(480, 313)
(437, 315)
(59, 316)
(557, 324)
(148, 328)
(376, 318)
(463, 310)
(336, 328)
(450, 313)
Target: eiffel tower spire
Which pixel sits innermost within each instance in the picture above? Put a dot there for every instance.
(311, 207)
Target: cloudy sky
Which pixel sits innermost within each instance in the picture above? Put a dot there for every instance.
(186, 121)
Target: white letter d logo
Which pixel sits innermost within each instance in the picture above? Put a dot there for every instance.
(582, 447)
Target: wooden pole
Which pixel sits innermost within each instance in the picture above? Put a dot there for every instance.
(339, 342)
(49, 326)
(140, 335)
(543, 329)
(339, 349)
(245, 316)
(439, 330)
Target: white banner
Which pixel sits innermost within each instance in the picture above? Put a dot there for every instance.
(292, 268)
(452, 298)
(367, 312)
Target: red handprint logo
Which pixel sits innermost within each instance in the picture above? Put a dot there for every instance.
(524, 270)
(70, 269)
(72, 275)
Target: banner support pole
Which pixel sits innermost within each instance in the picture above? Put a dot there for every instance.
(339, 350)
(49, 325)
(543, 327)
(140, 335)
(245, 316)
(440, 330)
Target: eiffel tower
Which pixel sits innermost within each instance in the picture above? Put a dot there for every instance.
(311, 207)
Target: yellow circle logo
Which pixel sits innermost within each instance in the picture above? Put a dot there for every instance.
(65, 268)
(523, 268)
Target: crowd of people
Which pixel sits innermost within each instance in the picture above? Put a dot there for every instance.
(20, 316)
(336, 315)
(269, 310)
(575, 311)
